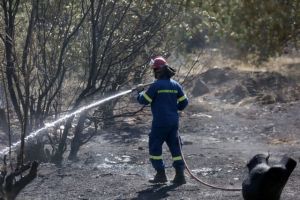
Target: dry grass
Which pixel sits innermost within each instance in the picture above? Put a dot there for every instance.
(288, 65)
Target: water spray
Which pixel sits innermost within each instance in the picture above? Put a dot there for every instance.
(97, 103)
(63, 118)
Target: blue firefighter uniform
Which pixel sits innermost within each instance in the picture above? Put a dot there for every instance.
(166, 97)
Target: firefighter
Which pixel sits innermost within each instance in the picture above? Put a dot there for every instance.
(166, 97)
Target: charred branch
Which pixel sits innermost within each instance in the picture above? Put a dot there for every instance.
(12, 183)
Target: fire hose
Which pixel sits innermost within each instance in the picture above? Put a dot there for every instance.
(140, 86)
(198, 179)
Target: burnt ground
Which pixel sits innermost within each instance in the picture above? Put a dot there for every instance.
(238, 115)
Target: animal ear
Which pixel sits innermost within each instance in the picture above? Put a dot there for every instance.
(253, 162)
(288, 163)
(277, 176)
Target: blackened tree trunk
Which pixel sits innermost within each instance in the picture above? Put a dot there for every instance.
(77, 140)
(57, 157)
(3, 121)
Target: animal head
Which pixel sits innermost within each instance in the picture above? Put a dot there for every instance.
(258, 159)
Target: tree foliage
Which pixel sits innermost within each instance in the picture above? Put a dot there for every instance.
(261, 27)
(58, 55)
(88, 47)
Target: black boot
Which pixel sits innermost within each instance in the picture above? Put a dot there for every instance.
(160, 177)
(179, 177)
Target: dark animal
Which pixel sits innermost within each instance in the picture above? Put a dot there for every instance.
(266, 182)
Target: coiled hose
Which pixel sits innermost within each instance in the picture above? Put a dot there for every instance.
(198, 179)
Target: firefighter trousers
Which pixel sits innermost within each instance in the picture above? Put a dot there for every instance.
(157, 137)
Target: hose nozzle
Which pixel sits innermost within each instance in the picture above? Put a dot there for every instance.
(140, 87)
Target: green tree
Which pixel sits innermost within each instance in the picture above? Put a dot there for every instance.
(261, 27)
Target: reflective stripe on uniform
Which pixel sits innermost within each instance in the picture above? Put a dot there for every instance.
(156, 157)
(147, 98)
(181, 98)
(167, 91)
(177, 158)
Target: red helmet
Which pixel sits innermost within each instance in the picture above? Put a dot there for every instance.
(158, 62)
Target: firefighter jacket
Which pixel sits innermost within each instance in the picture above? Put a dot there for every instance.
(166, 97)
